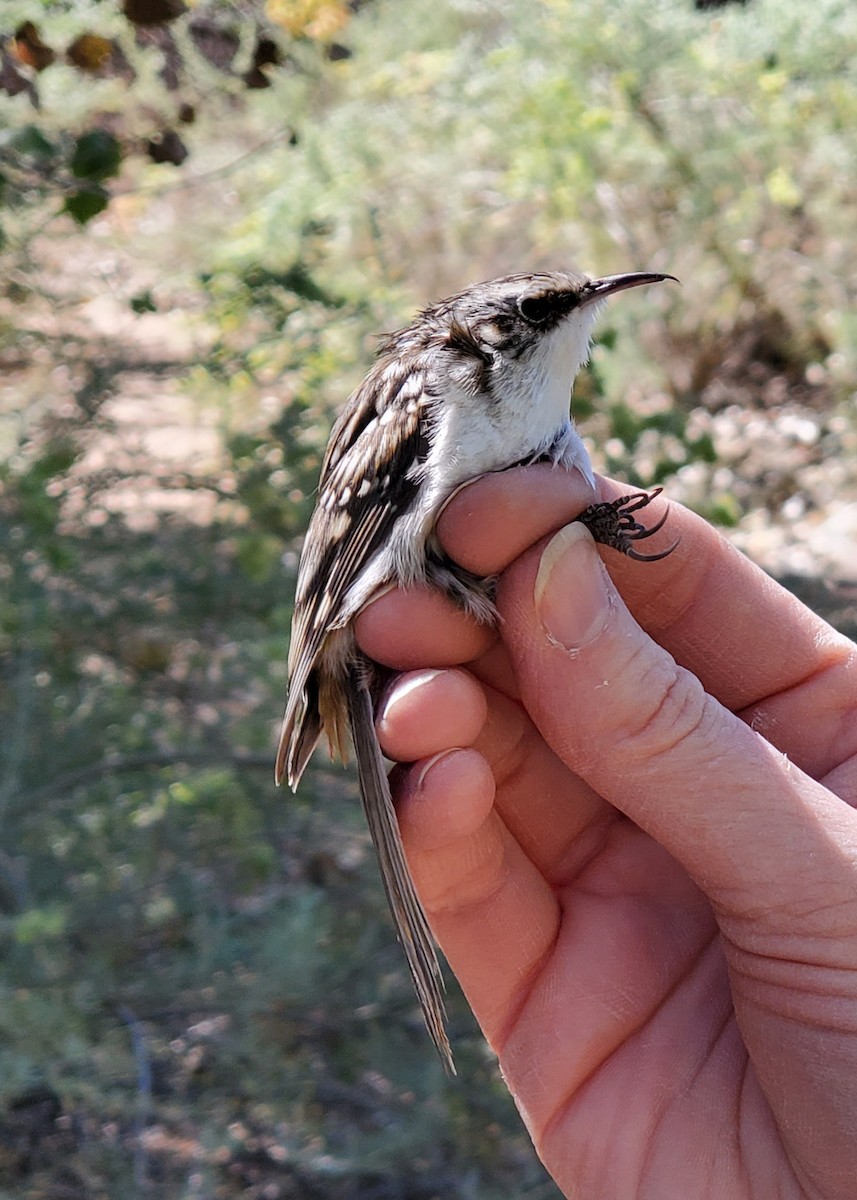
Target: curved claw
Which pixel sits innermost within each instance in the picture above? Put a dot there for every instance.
(612, 523)
(640, 531)
(624, 505)
(632, 553)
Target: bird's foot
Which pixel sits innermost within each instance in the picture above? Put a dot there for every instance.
(613, 523)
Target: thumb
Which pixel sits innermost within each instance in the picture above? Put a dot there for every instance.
(641, 730)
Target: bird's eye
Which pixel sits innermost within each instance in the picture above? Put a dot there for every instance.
(536, 308)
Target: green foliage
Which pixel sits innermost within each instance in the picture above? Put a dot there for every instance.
(170, 372)
(86, 203)
(31, 143)
(171, 61)
(96, 155)
(628, 428)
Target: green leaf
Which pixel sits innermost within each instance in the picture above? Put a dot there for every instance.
(56, 460)
(724, 509)
(86, 203)
(31, 141)
(38, 925)
(143, 302)
(703, 448)
(624, 425)
(97, 155)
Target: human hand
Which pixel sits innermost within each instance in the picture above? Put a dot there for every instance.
(629, 822)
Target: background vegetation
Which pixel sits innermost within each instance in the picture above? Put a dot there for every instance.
(207, 213)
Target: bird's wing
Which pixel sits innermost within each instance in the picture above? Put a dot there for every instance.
(370, 476)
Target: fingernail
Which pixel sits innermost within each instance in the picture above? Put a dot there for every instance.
(571, 593)
(427, 766)
(399, 689)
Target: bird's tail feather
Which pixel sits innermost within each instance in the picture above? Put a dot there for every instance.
(410, 920)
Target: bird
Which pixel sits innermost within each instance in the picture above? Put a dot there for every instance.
(478, 382)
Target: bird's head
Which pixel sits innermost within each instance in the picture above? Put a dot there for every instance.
(532, 330)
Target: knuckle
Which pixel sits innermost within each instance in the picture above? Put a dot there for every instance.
(671, 710)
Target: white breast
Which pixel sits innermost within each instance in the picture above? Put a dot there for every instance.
(528, 416)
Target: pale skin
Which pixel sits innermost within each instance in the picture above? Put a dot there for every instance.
(630, 819)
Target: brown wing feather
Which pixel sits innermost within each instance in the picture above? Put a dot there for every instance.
(370, 476)
(315, 613)
(368, 479)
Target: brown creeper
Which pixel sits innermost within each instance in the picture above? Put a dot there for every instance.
(479, 382)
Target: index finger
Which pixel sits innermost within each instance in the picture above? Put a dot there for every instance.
(751, 643)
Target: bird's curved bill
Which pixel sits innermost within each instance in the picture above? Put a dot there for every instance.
(600, 289)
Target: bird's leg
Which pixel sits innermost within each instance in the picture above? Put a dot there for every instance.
(613, 523)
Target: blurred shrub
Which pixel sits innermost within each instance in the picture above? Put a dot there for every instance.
(199, 978)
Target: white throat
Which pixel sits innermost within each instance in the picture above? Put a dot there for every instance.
(536, 392)
(559, 358)
(529, 416)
